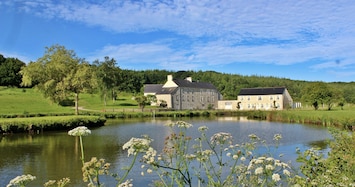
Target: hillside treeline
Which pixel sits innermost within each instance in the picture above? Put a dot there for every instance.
(228, 84)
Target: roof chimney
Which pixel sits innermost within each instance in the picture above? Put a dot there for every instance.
(170, 77)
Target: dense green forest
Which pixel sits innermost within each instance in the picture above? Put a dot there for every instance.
(122, 80)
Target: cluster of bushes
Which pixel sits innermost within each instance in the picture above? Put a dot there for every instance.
(168, 113)
(29, 115)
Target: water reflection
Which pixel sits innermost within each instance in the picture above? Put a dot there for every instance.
(56, 155)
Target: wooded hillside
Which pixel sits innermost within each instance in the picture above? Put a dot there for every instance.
(229, 85)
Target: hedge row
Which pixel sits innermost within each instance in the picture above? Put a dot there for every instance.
(35, 124)
(177, 113)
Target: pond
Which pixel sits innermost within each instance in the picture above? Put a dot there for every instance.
(55, 155)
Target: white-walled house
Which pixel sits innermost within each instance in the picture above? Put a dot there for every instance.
(271, 98)
(181, 94)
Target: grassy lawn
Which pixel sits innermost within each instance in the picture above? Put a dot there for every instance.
(31, 101)
(336, 113)
(27, 101)
(95, 102)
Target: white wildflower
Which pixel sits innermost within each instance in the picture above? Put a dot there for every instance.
(21, 180)
(253, 137)
(79, 131)
(136, 145)
(221, 138)
(276, 177)
(259, 171)
(286, 172)
(149, 171)
(269, 167)
(235, 157)
(229, 154)
(242, 158)
(202, 128)
(128, 183)
(259, 161)
(277, 137)
(180, 124)
(190, 156)
(183, 124)
(149, 156)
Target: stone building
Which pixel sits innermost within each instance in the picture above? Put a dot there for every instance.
(182, 94)
(272, 98)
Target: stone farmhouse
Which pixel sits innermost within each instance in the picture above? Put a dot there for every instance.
(274, 98)
(184, 94)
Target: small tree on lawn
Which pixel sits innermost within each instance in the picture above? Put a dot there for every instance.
(142, 101)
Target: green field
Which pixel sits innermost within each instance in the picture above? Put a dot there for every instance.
(27, 101)
(30, 101)
(16, 102)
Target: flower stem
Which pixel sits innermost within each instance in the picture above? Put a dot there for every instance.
(82, 150)
(128, 170)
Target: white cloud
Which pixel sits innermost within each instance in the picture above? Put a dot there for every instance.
(220, 32)
(273, 19)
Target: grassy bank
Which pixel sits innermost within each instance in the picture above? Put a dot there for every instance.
(336, 117)
(37, 124)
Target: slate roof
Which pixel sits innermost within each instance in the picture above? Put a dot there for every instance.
(168, 90)
(262, 91)
(189, 84)
(152, 88)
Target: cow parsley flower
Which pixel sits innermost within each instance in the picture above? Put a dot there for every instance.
(221, 138)
(180, 124)
(277, 137)
(259, 171)
(136, 145)
(80, 131)
(22, 180)
(276, 177)
(286, 172)
(128, 183)
(203, 128)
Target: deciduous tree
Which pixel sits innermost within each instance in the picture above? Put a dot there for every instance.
(108, 76)
(60, 74)
(9, 71)
(319, 93)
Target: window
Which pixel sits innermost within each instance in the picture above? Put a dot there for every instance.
(259, 98)
(248, 98)
(177, 97)
(271, 98)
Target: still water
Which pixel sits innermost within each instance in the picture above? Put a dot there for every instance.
(55, 155)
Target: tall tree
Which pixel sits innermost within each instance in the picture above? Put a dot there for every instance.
(319, 93)
(9, 71)
(60, 74)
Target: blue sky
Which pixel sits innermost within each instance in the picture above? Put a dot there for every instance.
(296, 39)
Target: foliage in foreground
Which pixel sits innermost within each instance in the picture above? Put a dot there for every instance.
(218, 161)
